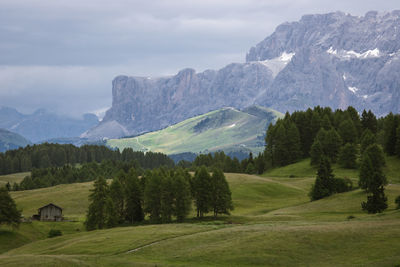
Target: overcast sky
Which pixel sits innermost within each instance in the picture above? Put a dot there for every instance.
(63, 54)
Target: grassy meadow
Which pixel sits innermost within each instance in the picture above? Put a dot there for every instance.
(273, 224)
(224, 129)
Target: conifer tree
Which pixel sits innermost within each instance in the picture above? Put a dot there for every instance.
(324, 185)
(372, 179)
(202, 188)
(97, 214)
(133, 198)
(348, 132)
(9, 214)
(152, 196)
(167, 199)
(221, 200)
(293, 143)
(316, 152)
(367, 139)
(348, 156)
(182, 195)
(398, 141)
(117, 197)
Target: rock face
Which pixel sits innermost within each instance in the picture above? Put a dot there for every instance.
(43, 125)
(332, 60)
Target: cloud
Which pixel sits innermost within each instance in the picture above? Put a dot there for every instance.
(64, 54)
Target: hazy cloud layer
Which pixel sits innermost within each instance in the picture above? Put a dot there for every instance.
(63, 54)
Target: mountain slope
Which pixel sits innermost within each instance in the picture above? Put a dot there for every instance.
(10, 140)
(43, 125)
(225, 129)
(331, 60)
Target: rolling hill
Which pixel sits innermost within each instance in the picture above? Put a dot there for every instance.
(273, 224)
(226, 129)
(10, 140)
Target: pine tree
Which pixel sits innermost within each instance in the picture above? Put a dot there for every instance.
(369, 121)
(167, 199)
(182, 195)
(117, 197)
(293, 143)
(367, 139)
(152, 196)
(316, 152)
(398, 141)
(348, 156)
(133, 198)
(348, 132)
(202, 188)
(324, 183)
(112, 216)
(97, 214)
(372, 179)
(221, 200)
(9, 214)
(390, 126)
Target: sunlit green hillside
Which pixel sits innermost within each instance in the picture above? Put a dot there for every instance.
(226, 129)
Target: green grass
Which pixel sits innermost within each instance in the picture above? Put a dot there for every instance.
(227, 129)
(13, 178)
(273, 224)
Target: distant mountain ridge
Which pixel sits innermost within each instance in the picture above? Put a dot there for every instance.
(226, 129)
(333, 60)
(43, 125)
(10, 140)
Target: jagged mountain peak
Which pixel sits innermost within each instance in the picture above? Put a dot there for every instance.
(333, 59)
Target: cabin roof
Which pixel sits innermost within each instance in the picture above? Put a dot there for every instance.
(50, 204)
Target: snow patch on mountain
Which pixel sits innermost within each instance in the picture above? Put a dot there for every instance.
(277, 64)
(349, 54)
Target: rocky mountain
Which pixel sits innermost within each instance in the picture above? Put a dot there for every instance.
(226, 129)
(10, 140)
(43, 125)
(333, 59)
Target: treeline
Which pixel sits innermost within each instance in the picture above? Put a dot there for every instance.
(161, 194)
(224, 162)
(68, 174)
(56, 155)
(339, 134)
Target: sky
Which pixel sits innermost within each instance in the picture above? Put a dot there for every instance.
(62, 55)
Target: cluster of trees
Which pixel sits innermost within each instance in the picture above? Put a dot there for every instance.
(56, 155)
(67, 174)
(161, 194)
(224, 162)
(9, 214)
(335, 134)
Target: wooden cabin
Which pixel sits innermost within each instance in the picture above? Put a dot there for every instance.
(50, 212)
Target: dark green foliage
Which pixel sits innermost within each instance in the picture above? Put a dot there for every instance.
(391, 123)
(398, 141)
(348, 156)
(324, 183)
(202, 189)
(56, 155)
(250, 169)
(342, 185)
(221, 200)
(348, 132)
(54, 233)
(376, 202)
(111, 215)
(117, 196)
(133, 198)
(9, 214)
(316, 153)
(283, 144)
(152, 196)
(369, 121)
(182, 195)
(367, 139)
(330, 142)
(167, 199)
(372, 179)
(260, 163)
(96, 217)
(397, 201)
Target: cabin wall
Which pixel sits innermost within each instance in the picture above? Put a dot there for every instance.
(50, 213)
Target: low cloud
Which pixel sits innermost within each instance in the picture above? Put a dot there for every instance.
(63, 55)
